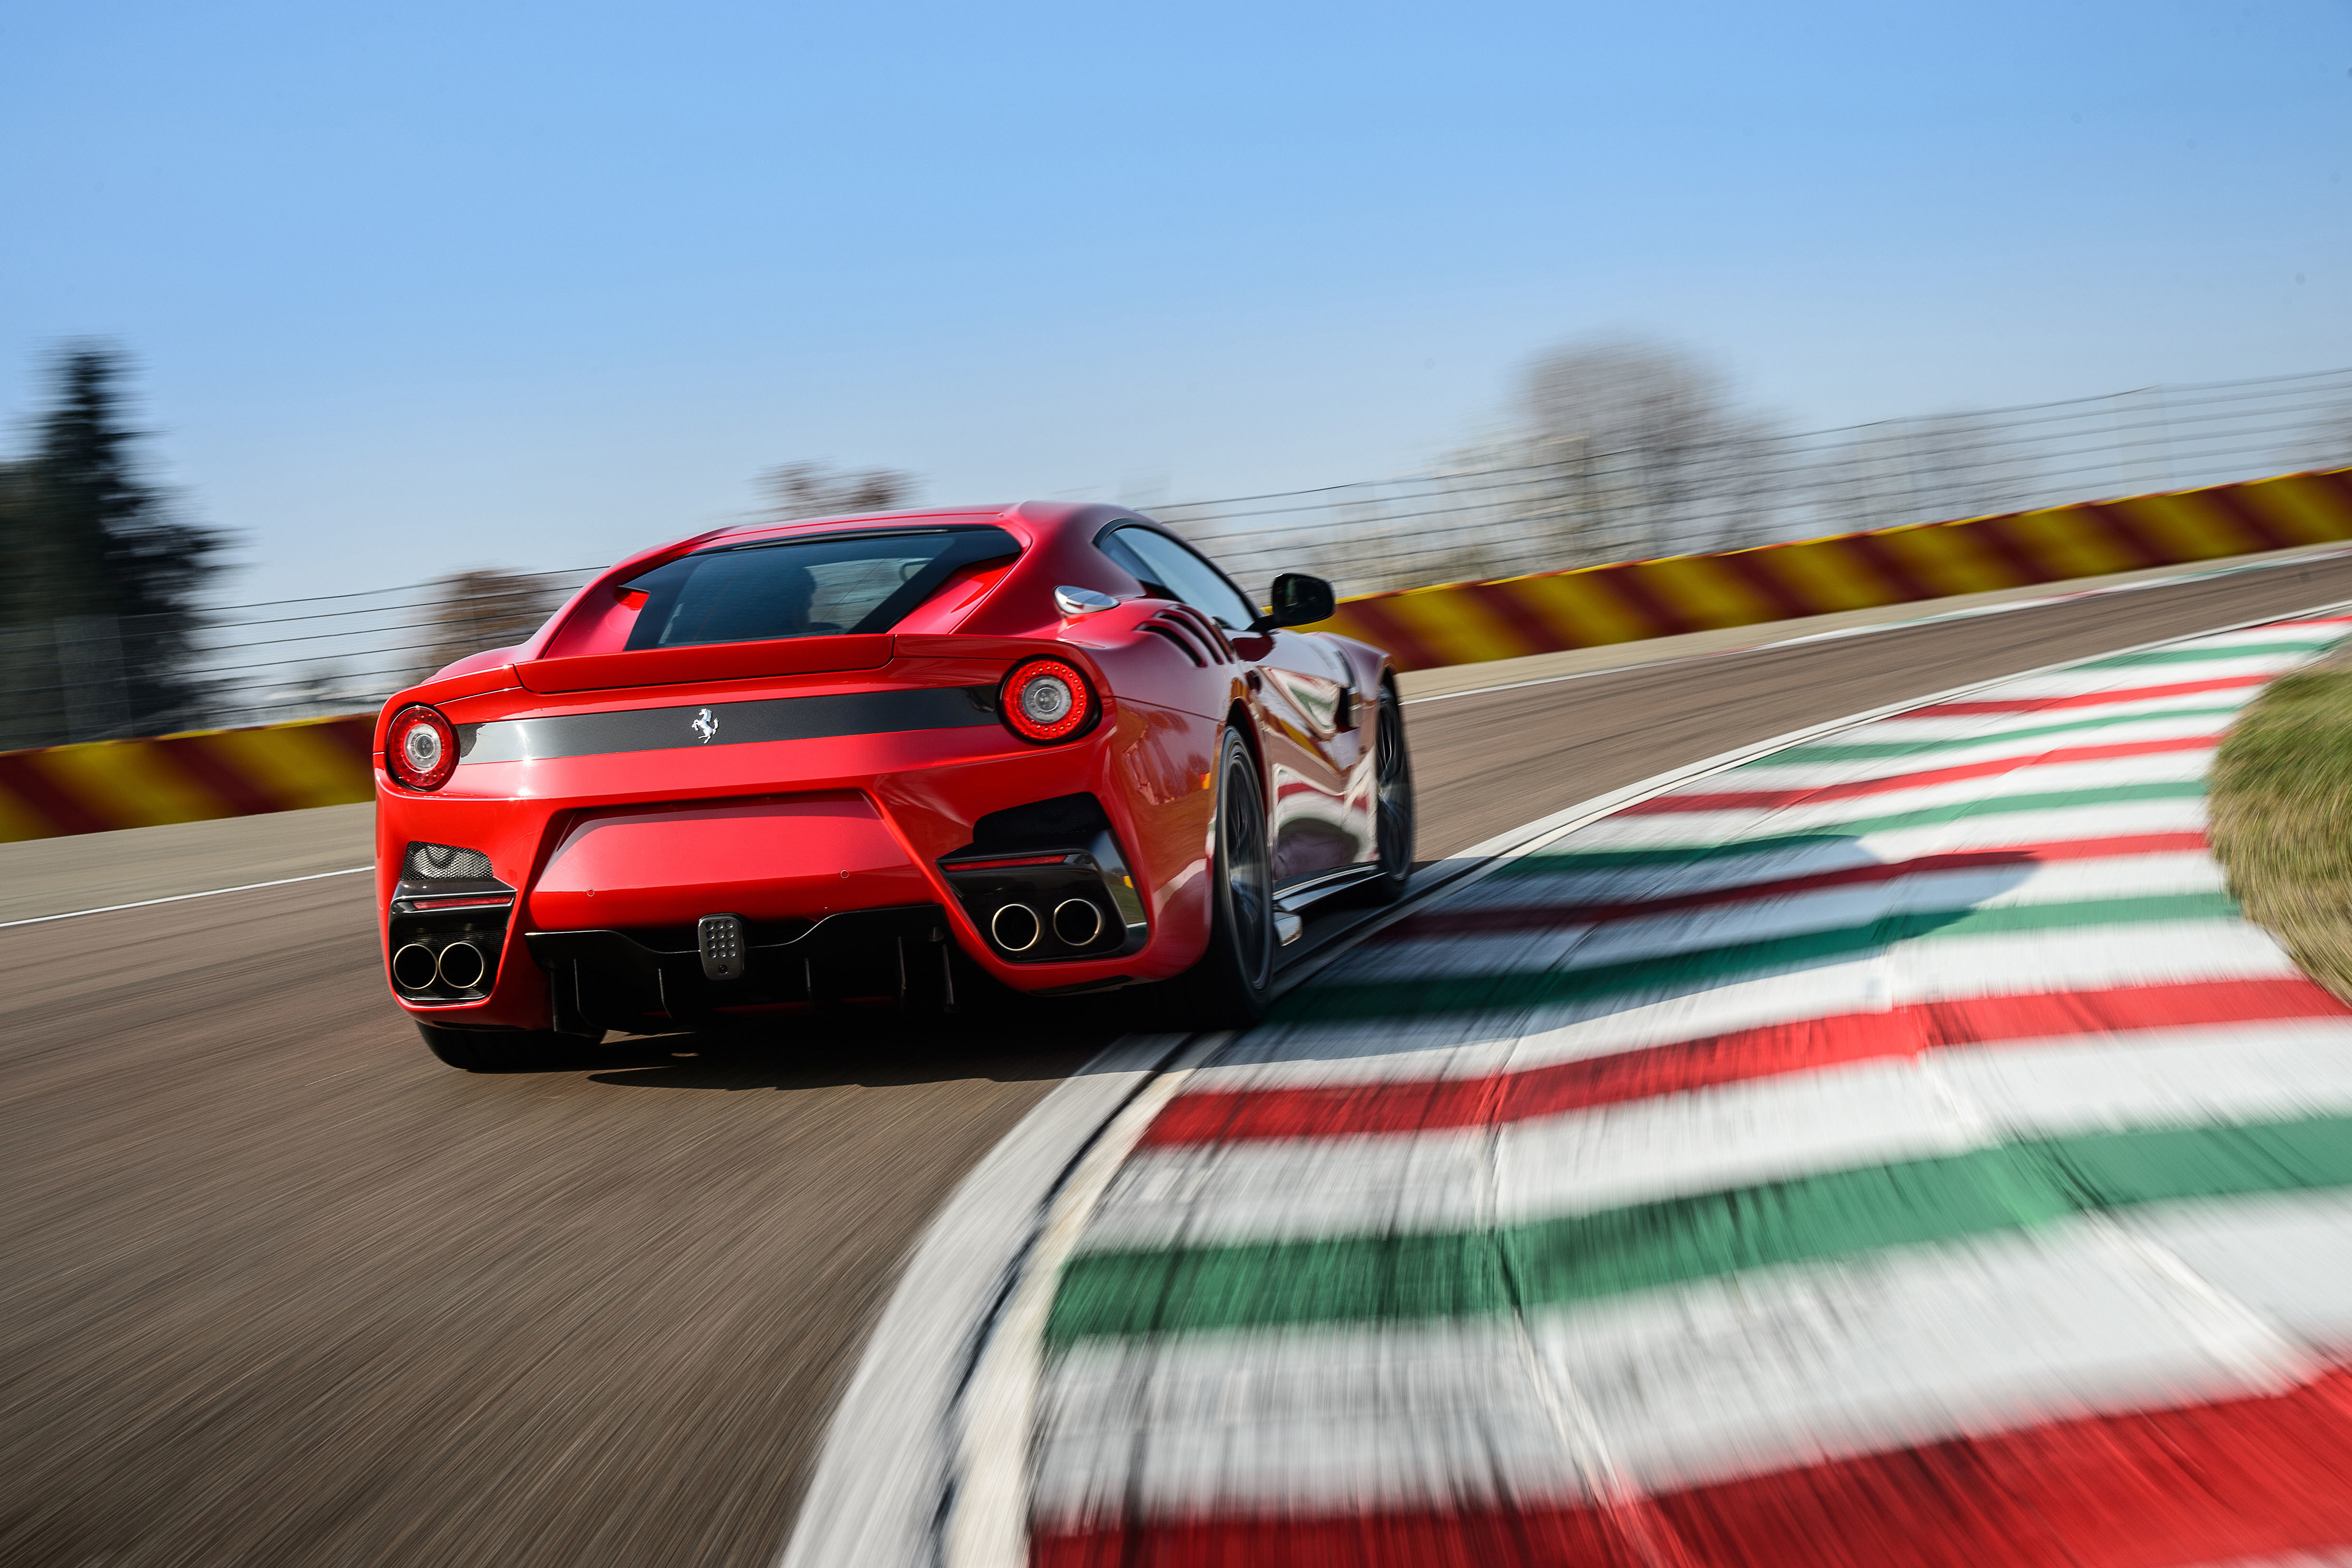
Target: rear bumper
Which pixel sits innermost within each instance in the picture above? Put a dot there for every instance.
(616, 980)
(829, 851)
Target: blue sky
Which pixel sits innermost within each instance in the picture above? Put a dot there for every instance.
(421, 288)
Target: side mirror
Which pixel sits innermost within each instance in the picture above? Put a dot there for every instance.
(1298, 600)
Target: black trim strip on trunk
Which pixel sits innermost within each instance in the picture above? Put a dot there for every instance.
(727, 724)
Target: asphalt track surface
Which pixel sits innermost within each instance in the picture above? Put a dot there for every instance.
(279, 1288)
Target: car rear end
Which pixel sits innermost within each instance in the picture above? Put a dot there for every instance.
(745, 777)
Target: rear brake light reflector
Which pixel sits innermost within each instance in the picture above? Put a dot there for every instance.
(420, 748)
(1046, 700)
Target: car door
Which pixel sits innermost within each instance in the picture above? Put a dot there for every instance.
(1298, 697)
(1326, 826)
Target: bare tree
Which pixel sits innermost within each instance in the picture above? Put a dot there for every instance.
(816, 490)
(1620, 449)
(1622, 394)
(1932, 470)
(473, 612)
(1649, 449)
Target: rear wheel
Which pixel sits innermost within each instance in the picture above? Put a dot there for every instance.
(497, 1050)
(1393, 800)
(1232, 984)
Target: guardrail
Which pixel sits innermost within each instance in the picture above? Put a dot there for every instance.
(96, 786)
(1552, 611)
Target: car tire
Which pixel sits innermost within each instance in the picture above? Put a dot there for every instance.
(496, 1051)
(1233, 985)
(1393, 818)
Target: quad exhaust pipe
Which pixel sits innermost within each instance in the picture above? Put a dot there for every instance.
(1015, 928)
(1077, 921)
(460, 966)
(413, 967)
(1018, 927)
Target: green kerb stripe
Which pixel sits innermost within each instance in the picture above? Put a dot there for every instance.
(1514, 990)
(1552, 861)
(1871, 752)
(1839, 1214)
(2206, 655)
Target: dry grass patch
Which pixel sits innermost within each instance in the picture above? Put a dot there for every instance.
(2282, 816)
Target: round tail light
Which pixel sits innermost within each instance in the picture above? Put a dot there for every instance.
(1045, 700)
(420, 748)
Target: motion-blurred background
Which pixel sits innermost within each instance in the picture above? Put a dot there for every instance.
(340, 344)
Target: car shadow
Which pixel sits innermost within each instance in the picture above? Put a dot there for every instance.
(1871, 920)
(1004, 1040)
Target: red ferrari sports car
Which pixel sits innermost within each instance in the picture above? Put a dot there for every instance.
(778, 767)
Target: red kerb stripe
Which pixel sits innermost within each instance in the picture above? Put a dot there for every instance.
(2088, 699)
(1735, 799)
(1552, 916)
(1809, 1045)
(2263, 1475)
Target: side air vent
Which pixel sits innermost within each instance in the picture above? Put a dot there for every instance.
(1176, 639)
(447, 862)
(1210, 635)
(445, 872)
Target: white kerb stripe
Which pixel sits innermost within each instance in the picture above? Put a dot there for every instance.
(1302, 1055)
(1983, 795)
(1632, 936)
(1693, 1383)
(1550, 878)
(1739, 1134)
(1768, 774)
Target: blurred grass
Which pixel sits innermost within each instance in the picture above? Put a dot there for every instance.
(2282, 816)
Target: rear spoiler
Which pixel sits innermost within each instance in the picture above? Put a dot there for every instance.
(707, 662)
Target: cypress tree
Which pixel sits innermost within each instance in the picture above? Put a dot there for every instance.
(97, 551)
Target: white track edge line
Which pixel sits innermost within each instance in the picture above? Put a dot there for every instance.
(876, 1444)
(183, 897)
(985, 1518)
(879, 1494)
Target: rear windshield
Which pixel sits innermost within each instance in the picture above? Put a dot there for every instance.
(865, 581)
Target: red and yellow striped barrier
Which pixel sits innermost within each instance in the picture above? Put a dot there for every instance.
(204, 774)
(1549, 612)
(191, 777)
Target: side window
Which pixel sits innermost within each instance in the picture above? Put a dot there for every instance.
(1159, 561)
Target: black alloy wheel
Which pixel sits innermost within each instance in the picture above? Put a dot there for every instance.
(1233, 985)
(497, 1049)
(1393, 797)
